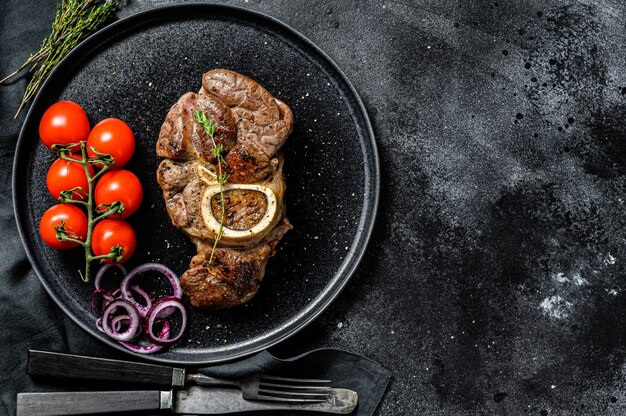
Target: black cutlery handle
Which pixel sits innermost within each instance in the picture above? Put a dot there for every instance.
(48, 363)
(91, 402)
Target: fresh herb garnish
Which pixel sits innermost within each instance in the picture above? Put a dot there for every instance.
(74, 20)
(101, 160)
(209, 128)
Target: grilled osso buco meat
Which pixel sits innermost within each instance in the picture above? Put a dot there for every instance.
(251, 126)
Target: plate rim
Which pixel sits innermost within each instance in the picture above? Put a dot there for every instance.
(364, 230)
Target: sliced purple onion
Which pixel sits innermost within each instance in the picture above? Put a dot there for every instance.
(116, 322)
(143, 294)
(106, 299)
(103, 269)
(142, 309)
(120, 309)
(134, 326)
(169, 302)
(126, 284)
(150, 347)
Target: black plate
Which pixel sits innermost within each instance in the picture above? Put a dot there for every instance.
(135, 69)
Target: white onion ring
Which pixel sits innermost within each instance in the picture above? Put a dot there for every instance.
(169, 302)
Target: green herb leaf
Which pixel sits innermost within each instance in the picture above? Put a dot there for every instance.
(74, 20)
(209, 128)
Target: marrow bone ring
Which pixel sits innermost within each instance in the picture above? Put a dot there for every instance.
(262, 226)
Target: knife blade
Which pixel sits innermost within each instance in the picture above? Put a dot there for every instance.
(195, 400)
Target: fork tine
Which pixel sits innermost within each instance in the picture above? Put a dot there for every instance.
(292, 393)
(294, 380)
(296, 387)
(278, 399)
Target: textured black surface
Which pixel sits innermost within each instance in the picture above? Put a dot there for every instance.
(135, 70)
(472, 290)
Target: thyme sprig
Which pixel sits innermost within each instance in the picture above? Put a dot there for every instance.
(209, 128)
(74, 20)
(67, 197)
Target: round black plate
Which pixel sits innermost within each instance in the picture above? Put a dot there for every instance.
(135, 69)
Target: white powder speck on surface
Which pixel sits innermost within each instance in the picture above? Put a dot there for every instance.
(609, 259)
(575, 278)
(556, 307)
(579, 280)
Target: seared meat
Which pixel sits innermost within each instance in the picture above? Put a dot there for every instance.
(185, 194)
(182, 138)
(234, 276)
(263, 123)
(251, 126)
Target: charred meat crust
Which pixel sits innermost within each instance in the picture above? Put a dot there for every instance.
(234, 276)
(263, 122)
(182, 138)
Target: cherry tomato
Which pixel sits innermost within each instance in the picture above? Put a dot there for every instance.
(64, 175)
(75, 222)
(109, 233)
(64, 122)
(112, 136)
(119, 185)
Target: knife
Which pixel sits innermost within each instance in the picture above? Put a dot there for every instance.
(253, 387)
(195, 400)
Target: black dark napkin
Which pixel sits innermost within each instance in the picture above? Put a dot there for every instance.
(30, 319)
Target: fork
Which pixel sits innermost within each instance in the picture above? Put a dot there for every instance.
(271, 388)
(255, 387)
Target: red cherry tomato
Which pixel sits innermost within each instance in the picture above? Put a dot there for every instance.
(119, 185)
(64, 175)
(112, 136)
(64, 122)
(75, 222)
(109, 233)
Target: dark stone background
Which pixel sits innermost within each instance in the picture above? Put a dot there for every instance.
(494, 282)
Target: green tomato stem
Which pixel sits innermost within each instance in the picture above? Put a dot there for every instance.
(115, 208)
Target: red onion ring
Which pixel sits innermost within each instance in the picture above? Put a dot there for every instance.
(142, 309)
(153, 314)
(116, 322)
(106, 299)
(120, 309)
(142, 349)
(150, 348)
(155, 267)
(102, 271)
(134, 327)
(125, 286)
